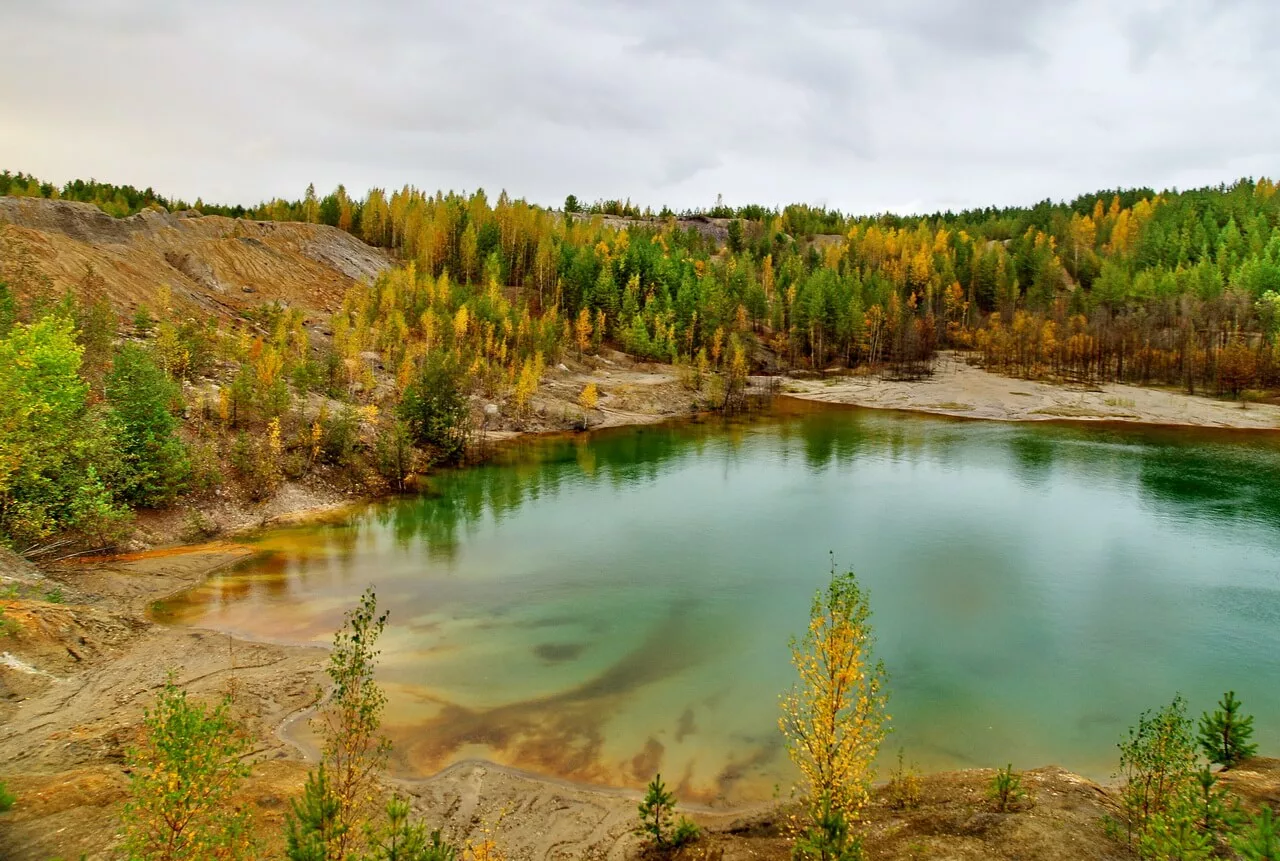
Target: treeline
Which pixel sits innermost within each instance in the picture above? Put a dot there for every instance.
(1176, 287)
(119, 201)
(1116, 285)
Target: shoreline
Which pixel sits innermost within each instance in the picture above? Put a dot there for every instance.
(62, 738)
(959, 390)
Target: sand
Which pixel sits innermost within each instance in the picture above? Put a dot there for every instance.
(959, 389)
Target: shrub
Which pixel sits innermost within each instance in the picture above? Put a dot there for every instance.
(435, 408)
(183, 778)
(1174, 838)
(313, 823)
(339, 435)
(1225, 734)
(394, 452)
(56, 455)
(1157, 767)
(1005, 789)
(904, 786)
(7, 798)
(258, 469)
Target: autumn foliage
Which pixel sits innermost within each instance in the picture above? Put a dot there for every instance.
(834, 718)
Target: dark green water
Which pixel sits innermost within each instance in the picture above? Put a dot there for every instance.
(603, 607)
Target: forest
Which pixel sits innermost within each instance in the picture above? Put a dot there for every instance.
(1176, 288)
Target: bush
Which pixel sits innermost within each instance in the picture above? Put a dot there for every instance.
(1157, 767)
(183, 779)
(1225, 734)
(904, 786)
(7, 798)
(313, 823)
(258, 470)
(435, 408)
(57, 455)
(1005, 789)
(395, 454)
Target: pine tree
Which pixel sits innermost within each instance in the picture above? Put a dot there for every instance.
(1261, 840)
(402, 839)
(1225, 734)
(314, 823)
(655, 812)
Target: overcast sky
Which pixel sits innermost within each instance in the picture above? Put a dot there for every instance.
(903, 105)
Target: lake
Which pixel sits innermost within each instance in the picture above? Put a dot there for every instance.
(606, 606)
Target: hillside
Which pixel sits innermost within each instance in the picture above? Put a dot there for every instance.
(211, 264)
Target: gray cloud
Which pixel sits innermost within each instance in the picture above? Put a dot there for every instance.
(908, 105)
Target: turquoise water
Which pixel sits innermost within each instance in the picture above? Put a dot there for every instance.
(603, 607)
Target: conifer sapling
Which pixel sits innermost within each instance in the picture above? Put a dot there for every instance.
(1225, 734)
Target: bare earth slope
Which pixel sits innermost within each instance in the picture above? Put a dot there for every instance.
(211, 264)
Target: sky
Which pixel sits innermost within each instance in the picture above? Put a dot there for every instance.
(888, 105)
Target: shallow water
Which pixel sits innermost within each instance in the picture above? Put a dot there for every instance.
(603, 607)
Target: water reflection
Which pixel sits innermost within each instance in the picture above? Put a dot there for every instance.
(601, 607)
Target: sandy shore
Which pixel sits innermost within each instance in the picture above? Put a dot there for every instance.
(959, 389)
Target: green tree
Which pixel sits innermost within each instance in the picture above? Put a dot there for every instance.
(1169, 837)
(155, 461)
(435, 408)
(329, 821)
(56, 460)
(313, 824)
(8, 310)
(1225, 733)
(657, 823)
(571, 204)
(1260, 839)
(400, 838)
(826, 837)
(182, 784)
(1157, 769)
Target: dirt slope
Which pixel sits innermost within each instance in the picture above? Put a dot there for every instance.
(211, 264)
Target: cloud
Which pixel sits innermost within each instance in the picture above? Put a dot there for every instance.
(909, 104)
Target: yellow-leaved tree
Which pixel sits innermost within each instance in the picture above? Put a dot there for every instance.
(834, 718)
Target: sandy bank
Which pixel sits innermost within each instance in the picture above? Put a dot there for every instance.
(958, 389)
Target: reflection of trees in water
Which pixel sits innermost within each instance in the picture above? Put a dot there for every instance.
(458, 501)
(1221, 480)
